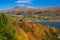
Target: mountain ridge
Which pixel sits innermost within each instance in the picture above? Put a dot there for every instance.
(32, 10)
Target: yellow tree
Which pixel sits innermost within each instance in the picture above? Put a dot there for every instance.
(22, 35)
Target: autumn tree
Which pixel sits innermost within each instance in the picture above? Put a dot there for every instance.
(22, 35)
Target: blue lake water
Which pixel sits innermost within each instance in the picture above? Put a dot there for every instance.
(55, 24)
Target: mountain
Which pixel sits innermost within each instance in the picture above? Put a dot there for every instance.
(51, 11)
(21, 10)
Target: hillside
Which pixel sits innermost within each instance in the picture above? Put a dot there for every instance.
(14, 29)
(29, 31)
(51, 11)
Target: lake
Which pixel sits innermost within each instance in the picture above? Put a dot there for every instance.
(55, 24)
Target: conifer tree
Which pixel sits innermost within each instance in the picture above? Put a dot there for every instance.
(6, 30)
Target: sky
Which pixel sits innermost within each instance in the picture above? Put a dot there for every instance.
(8, 4)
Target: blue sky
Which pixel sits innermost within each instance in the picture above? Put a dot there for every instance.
(8, 4)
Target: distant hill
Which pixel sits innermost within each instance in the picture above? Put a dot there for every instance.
(51, 11)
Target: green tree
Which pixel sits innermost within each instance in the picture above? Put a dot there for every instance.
(6, 30)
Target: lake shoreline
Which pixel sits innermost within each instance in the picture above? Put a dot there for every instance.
(52, 24)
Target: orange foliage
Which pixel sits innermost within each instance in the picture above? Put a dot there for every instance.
(31, 37)
(17, 29)
(54, 29)
(13, 20)
(27, 24)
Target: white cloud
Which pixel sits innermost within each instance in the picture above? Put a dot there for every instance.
(23, 1)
